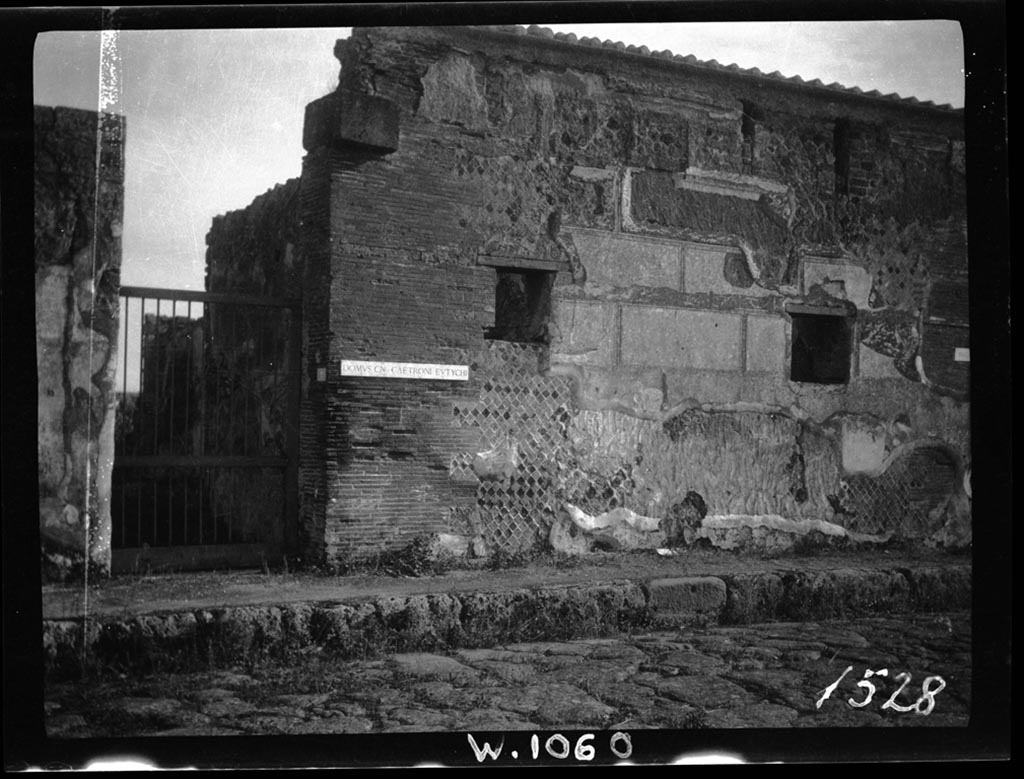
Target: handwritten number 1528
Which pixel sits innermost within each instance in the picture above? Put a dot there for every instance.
(923, 705)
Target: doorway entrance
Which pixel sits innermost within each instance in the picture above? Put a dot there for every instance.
(206, 440)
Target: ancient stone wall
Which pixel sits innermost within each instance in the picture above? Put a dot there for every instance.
(248, 357)
(254, 250)
(665, 224)
(79, 200)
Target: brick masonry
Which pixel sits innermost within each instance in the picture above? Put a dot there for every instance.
(680, 212)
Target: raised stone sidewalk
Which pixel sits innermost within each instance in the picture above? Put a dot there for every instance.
(219, 620)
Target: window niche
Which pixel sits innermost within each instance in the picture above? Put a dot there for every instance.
(522, 305)
(841, 150)
(821, 347)
(752, 114)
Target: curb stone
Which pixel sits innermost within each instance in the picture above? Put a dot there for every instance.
(221, 638)
(682, 598)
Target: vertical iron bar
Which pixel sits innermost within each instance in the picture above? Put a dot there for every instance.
(124, 382)
(170, 505)
(172, 358)
(205, 361)
(280, 400)
(246, 371)
(233, 359)
(188, 402)
(156, 407)
(120, 445)
(260, 375)
(236, 361)
(213, 506)
(232, 481)
(121, 521)
(171, 355)
(201, 497)
(137, 416)
(217, 351)
(290, 421)
(276, 355)
(212, 378)
(138, 511)
(156, 378)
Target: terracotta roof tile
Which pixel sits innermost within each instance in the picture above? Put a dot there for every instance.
(643, 51)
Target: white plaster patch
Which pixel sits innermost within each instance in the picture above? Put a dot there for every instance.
(592, 174)
(863, 445)
(704, 271)
(853, 280)
(766, 344)
(732, 184)
(773, 522)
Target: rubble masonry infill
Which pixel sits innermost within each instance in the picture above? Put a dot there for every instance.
(226, 637)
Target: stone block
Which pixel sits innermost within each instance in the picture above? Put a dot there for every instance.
(351, 118)
(876, 366)
(766, 344)
(622, 261)
(680, 338)
(689, 595)
(852, 281)
(704, 271)
(940, 588)
(584, 332)
(753, 597)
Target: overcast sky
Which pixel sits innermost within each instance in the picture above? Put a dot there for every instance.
(215, 117)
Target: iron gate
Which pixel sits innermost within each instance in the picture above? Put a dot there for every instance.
(206, 440)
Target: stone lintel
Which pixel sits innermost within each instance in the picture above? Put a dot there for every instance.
(523, 263)
(723, 183)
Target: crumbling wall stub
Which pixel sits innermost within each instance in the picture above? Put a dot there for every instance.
(253, 251)
(78, 217)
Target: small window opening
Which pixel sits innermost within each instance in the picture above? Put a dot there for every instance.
(841, 149)
(522, 306)
(821, 348)
(748, 130)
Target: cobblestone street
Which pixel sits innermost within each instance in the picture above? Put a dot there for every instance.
(770, 675)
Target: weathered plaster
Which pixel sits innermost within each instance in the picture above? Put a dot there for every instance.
(78, 209)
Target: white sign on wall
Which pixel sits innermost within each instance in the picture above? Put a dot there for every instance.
(961, 354)
(404, 370)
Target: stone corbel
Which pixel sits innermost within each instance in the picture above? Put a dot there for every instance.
(350, 118)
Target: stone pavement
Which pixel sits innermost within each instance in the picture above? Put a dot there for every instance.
(764, 675)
